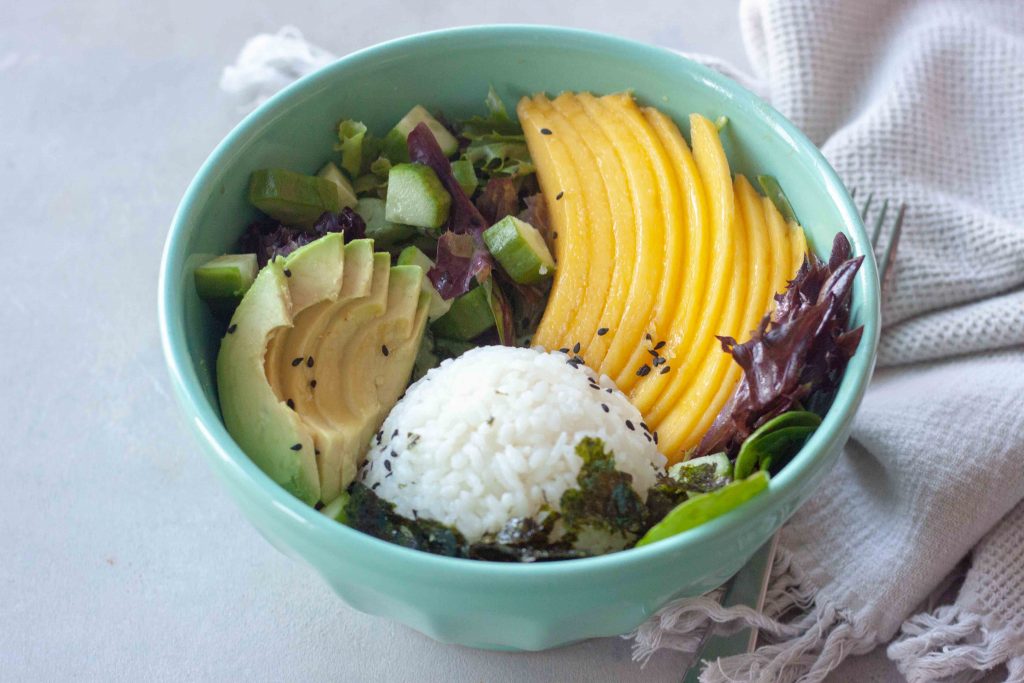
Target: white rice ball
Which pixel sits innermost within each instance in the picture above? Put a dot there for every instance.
(491, 435)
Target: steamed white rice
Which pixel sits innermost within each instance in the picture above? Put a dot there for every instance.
(491, 435)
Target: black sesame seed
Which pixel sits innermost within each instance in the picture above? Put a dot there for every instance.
(545, 131)
(380, 435)
(629, 424)
(605, 408)
(655, 435)
(643, 371)
(374, 487)
(643, 425)
(231, 328)
(660, 345)
(602, 331)
(665, 369)
(287, 273)
(659, 361)
(312, 384)
(647, 436)
(297, 361)
(648, 336)
(388, 475)
(653, 352)
(564, 349)
(384, 350)
(554, 235)
(576, 348)
(309, 362)
(608, 390)
(387, 465)
(316, 451)
(290, 403)
(297, 447)
(559, 195)
(394, 434)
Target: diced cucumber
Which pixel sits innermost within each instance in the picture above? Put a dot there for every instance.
(469, 317)
(336, 509)
(350, 144)
(413, 256)
(416, 197)
(222, 281)
(293, 198)
(346, 195)
(383, 232)
(701, 508)
(719, 461)
(395, 141)
(520, 249)
(465, 176)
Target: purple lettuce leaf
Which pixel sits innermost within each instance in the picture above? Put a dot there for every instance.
(268, 239)
(797, 355)
(462, 256)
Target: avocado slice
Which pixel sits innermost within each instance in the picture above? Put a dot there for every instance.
(273, 436)
(309, 324)
(374, 362)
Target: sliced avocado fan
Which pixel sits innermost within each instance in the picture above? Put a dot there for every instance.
(318, 351)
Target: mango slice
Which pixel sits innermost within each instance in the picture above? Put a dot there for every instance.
(682, 330)
(676, 251)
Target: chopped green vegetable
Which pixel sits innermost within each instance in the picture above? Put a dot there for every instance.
(775, 441)
(222, 281)
(383, 232)
(774, 192)
(520, 249)
(705, 506)
(703, 474)
(395, 141)
(413, 256)
(350, 144)
(416, 197)
(470, 316)
(292, 198)
(336, 509)
(500, 155)
(346, 195)
(497, 122)
(465, 175)
(425, 356)
(451, 348)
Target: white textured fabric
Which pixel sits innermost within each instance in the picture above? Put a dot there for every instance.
(269, 62)
(923, 103)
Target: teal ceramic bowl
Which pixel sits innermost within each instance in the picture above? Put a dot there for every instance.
(489, 605)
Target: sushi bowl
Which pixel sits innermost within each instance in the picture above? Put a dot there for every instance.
(488, 604)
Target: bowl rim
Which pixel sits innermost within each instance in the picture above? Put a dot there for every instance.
(206, 422)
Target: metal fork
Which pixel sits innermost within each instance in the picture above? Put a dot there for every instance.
(757, 571)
